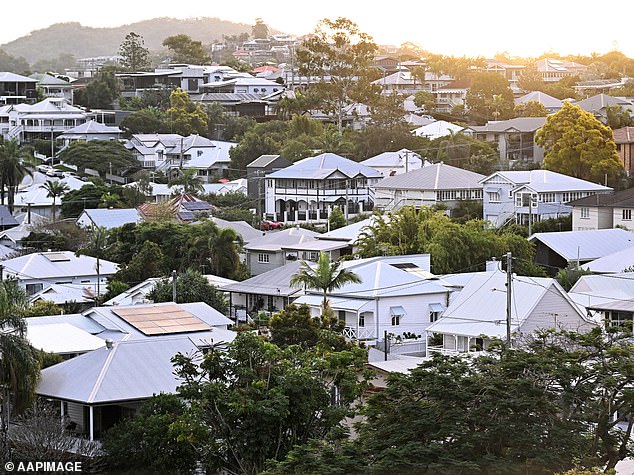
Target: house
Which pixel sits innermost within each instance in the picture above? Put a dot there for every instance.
(46, 119)
(52, 86)
(558, 250)
(515, 138)
(553, 70)
(36, 271)
(61, 294)
(428, 186)
(244, 229)
(479, 312)
(511, 72)
(91, 130)
(604, 211)
(244, 85)
(108, 218)
(394, 163)
(32, 198)
(437, 129)
(172, 152)
(310, 188)
(269, 291)
(406, 82)
(256, 171)
(7, 221)
(614, 263)
(508, 194)
(550, 103)
(268, 251)
(601, 295)
(598, 105)
(184, 208)
(395, 296)
(15, 89)
(624, 139)
(452, 95)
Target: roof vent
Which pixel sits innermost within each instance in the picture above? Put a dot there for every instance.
(109, 344)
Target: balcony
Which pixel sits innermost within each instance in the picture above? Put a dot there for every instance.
(363, 333)
(442, 350)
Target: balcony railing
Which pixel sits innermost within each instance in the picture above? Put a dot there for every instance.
(363, 333)
(442, 350)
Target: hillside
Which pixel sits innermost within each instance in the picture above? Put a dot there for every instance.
(82, 41)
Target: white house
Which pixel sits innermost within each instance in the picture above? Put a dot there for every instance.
(604, 211)
(440, 128)
(428, 186)
(40, 269)
(394, 163)
(523, 196)
(479, 312)
(395, 296)
(90, 130)
(310, 188)
(108, 218)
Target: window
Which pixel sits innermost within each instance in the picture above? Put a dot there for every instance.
(494, 196)
(199, 153)
(435, 310)
(617, 319)
(627, 214)
(263, 258)
(361, 320)
(585, 213)
(270, 302)
(396, 320)
(342, 316)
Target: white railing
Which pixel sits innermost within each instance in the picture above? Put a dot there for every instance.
(14, 132)
(363, 333)
(408, 346)
(442, 350)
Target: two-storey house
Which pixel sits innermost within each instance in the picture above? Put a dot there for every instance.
(530, 196)
(309, 189)
(604, 211)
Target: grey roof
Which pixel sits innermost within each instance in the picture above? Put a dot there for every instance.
(394, 159)
(131, 370)
(324, 165)
(593, 290)
(480, 307)
(275, 240)
(349, 233)
(6, 218)
(438, 176)
(112, 218)
(586, 245)
(521, 124)
(47, 265)
(93, 127)
(549, 102)
(263, 161)
(600, 101)
(613, 263)
(12, 77)
(622, 199)
(48, 80)
(546, 180)
(243, 228)
(269, 282)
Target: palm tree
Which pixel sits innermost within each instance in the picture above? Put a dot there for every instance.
(96, 247)
(12, 170)
(189, 181)
(223, 250)
(326, 276)
(19, 362)
(55, 188)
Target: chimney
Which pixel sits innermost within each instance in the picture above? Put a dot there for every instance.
(492, 265)
(109, 344)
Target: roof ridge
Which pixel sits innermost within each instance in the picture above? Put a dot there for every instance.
(102, 373)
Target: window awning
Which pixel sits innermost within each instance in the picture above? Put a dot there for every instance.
(436, 308)
(397, 310)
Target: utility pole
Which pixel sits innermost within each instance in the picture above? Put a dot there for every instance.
(509, 283)
(174, 286)
(406, 161)
(346, 209)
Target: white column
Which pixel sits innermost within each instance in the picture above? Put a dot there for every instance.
(91, 423)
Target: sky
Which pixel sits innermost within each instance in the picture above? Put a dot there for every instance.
(456, 27)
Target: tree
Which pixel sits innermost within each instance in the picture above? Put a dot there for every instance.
(223, 250)
(325, 276)
(96, 247)
(530, 109)
(148, 441)
(147, 262)
(336, 219)
(186, 50)
(618, 117)
(189, 181)
(260, 30)
(426, 100)
(136, 56)
(101, 155)
(191, 286)
(19, 363)
(186, 117)
(339, 54)
(54, 189)
(12, 170)
(255, 401)
(294, 326)
(577, 144)
(489, 97)
(100, 92)
(146, 121)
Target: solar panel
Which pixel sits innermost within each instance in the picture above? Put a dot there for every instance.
(56, 256)
(161, 320)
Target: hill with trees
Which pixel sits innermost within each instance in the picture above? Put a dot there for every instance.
(82, 41)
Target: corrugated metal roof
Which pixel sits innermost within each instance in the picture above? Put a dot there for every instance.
(269, 282)
(549, 102)
(521, 124)
(38, 266)
(438, 176)
(112, 218)
(275, 240)
(324, 165)
(62, 338)
(614, 263)
(586, 245)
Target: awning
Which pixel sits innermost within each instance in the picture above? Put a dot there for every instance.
(331, 199)
(436, 308)
(397, 310)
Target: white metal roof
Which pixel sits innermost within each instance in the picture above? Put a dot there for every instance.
(47, 265)
(275, 240)
(112, 218)
(614, 263)
(438, 176)
(324, 165)
(586, 245)
(440, 128)
(62, 338)
(337, 303)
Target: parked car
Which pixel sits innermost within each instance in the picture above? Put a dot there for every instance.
(267, 225)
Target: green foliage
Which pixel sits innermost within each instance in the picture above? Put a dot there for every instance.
(569, 276)
(618, 117)
(426, 100)
(189, 181)
(453, 247)
(100, 93)
(186, 50)
(191, 286)
(49, 359)
(464, 151)
(530, 109)
(42, 308)
(147, 443)
(466, 210)
(336, 219)
(136, 57)
(186, 117)
(12, 170)
(260, 30)
(146, 263)
(489, 97)
(578, 145)
(338, 49)
(255, 401)
(294, 326)
(149, 120)
(100, 155)
(59, 236)
(114, 288)
(54, 189)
